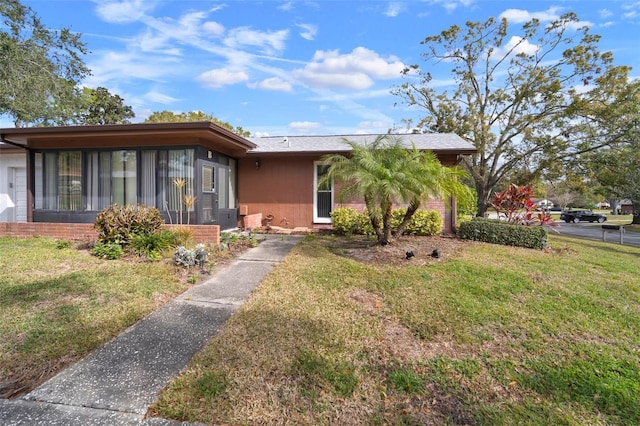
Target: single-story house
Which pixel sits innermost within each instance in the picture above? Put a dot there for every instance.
(625, 206)
(198, 173)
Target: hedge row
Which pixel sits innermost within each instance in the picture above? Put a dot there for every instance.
(348, 221)
(498, 232)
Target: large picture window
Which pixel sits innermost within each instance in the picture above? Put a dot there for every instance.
(180, 178)
(93, 180)
(123, 177)
(59, 180)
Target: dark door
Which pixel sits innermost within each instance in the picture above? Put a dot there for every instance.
(208, 205)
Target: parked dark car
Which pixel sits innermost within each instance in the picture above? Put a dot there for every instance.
(576, 216)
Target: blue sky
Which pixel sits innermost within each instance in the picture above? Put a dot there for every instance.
(292, 67)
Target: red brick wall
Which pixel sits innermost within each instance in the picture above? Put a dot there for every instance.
(85, 232)
(253, 221)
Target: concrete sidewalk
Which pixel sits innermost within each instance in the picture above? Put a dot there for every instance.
(116, 384)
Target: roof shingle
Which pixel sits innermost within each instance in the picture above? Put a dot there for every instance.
(438, 142)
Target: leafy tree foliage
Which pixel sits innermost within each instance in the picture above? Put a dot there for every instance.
(386, 172)
(40, 68)
(616, 168)
(101, 107)
(522, 100)
(193, 116)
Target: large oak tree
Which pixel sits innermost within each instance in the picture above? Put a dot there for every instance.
(617, 168)
(518, 95)
(40, 70)
(102, 107)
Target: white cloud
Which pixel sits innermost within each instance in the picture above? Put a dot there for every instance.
(355, 70)
(393, 9)
(213, 28)
(160, 98)
(521, 46)
(451, 5)
(309, 31)
(274, 84)
(153, 42)
(520, 15)
(605, 13)
(302, 126)
(286, 6)
(368, 126)
(268, 41)
(218, 78)
(119, 12)
(129, 66)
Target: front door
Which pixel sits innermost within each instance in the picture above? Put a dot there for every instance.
(208, 205)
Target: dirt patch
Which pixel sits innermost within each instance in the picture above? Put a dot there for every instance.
(406, 250)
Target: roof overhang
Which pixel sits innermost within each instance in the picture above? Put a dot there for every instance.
(206, 134)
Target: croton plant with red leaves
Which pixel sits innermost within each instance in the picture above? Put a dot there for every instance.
(515, 202)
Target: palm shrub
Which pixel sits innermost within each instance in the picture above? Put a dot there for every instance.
(385, 173)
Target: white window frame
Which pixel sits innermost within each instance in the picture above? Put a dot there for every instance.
(317, 219)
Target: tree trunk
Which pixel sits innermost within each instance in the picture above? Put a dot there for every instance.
(386, 224)
(373, 217)
(635, 205)
(413, 207)
(613, 203)
(483, 200)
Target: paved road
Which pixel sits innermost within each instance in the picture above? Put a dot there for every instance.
(593, 231)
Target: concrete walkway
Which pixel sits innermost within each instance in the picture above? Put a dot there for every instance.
(116, 384)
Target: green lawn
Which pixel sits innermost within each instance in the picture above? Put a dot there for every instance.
(493, 335)
(57, 304)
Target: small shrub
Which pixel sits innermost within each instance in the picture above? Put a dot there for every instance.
(498, 232)
(190, 257)
(117, 224)
(183, 236)
(229, 237)
(152, 245)
(348, 221)
(423, 222)
(63, 244)
(107, 250)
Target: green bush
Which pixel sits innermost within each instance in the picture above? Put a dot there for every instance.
(423, 222)
(347, 221)
(152, 245)
(107, 250)
(117, 224)
(498, 232)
